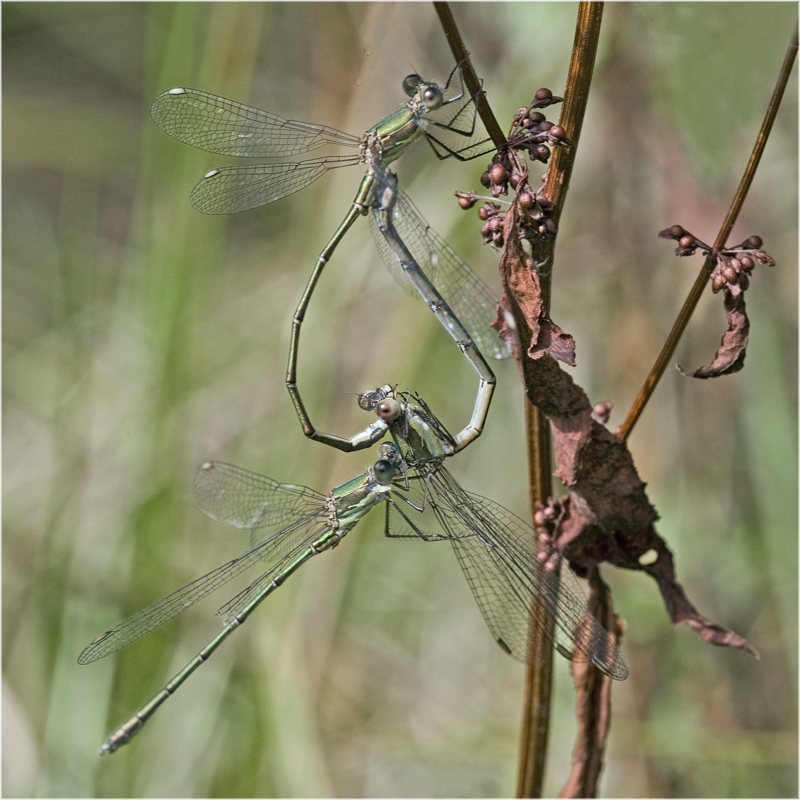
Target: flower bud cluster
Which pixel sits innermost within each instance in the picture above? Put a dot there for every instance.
(734, 265)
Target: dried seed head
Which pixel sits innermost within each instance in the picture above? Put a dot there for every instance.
(498, 173)
(602, 411)
(763, 258)
(466, 201)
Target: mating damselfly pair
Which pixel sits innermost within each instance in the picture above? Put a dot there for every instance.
(290, 524)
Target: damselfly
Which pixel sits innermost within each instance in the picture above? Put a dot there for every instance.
(226, 127)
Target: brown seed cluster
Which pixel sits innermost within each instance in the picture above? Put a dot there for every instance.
(535, 135)
(602, 411)
(545, 520)
(734, 265)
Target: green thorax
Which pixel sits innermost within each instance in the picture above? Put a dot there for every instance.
(395, 133)
(354, 499)
(425, 443)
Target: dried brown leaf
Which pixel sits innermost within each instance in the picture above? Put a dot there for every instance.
(606, 516)
(730, 355)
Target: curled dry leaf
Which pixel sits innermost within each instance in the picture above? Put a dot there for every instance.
(606, 516)
(731, 268)
(729, 357)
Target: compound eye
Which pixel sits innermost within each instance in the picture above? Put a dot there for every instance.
(368, 400)
(432, 98)
(383, 472)
(411, 84)
(388, 409)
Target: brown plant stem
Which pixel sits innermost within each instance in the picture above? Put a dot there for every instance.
(473, 84)
(594, 700)
(665, 356)
(538, 683)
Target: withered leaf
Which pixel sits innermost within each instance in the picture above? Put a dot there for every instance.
(606, 516)
(730, 355)
(593, 703)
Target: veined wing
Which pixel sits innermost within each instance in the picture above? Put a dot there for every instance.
(354, 509)
(274, 548)
(223, 126)
(245, 499)
(507, 580)
(228, 190)
(470, 299)
(236, 604)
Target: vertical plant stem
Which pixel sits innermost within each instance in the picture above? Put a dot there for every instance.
(536, 709)
(665, 356)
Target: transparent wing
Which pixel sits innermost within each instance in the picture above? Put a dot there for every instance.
(245, 499)
(228, 190)
(229, 494)
(223, 126)
(470, 299)
(500, 564)
(236, 604)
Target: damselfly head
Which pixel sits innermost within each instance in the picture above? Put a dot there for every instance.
(411, 84)
(387, 466)
(389, 409)
(369, 399)
(384, 472)
(429, 95)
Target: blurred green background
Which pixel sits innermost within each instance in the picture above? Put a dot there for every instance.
(141, 338)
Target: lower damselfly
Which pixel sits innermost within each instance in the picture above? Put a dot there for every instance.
(289, 525)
